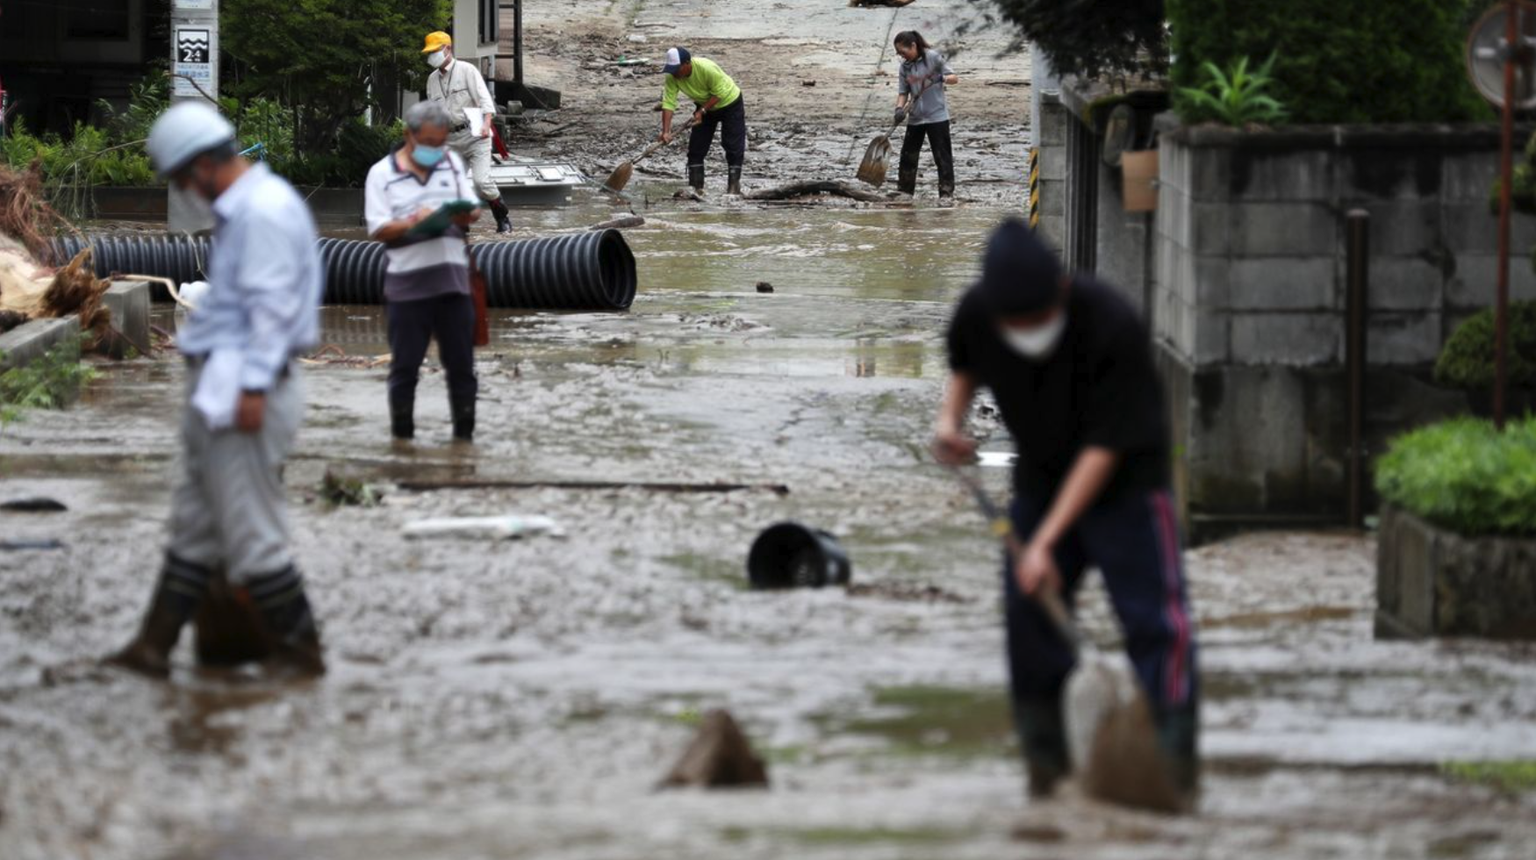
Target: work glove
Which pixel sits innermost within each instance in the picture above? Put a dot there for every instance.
(901, 114)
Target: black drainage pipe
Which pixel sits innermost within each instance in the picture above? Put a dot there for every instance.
(581, 271)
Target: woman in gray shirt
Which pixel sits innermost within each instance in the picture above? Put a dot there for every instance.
(920, 100)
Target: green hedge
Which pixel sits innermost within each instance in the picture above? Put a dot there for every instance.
(1466, 361)
(1464, 476)
(1338, 61)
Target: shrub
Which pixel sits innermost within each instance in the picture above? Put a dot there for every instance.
(1113, 37)
(49, 382)
(1466, 476)
(1235, 97)
(1466, 360)
(1339, 61)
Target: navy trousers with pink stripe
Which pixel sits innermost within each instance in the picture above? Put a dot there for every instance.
(1134, 541)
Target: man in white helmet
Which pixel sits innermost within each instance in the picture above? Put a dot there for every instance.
(244, 399)
(459, 86)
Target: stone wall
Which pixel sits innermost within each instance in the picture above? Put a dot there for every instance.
(1433, 582)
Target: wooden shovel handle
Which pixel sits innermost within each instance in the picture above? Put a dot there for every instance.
(649, 150)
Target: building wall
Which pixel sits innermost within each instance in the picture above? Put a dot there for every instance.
(58, 58)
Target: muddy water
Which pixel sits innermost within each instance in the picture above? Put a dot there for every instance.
(521, 699)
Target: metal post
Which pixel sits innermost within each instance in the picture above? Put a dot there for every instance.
(1356, 358)
(1506, 173)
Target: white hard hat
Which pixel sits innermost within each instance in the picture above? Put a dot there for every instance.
(184, 132)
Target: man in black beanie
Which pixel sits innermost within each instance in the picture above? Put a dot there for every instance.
(1070, 366)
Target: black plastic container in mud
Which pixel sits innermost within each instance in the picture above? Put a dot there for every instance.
(580, 271)
(790, 555)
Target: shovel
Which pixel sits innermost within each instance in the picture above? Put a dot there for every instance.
(877, 156)
(621, 175)
(1111, 736)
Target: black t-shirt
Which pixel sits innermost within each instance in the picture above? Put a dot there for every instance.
(1098, 388)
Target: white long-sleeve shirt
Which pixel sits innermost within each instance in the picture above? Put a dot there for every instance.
(265, 280)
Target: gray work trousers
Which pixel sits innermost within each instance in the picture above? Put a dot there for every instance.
(476, 152)
(228, 510)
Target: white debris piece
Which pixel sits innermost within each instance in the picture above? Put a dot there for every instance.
(504, 527)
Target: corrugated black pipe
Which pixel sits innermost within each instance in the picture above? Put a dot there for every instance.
(580, 271)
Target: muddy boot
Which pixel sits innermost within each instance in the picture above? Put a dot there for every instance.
(1178, 732)
(733, 184)
(1043, 734)
(180, 589)
(503, 217)
(696, 178)
(463, 420)
(906, 180)
(293, 636)
(402, 416)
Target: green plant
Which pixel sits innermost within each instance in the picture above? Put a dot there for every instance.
(1507, 776)
(1466, 360)
(1115, 37)
(1339, 61)
(1464, 475)
(1235, 97)
(50, 382)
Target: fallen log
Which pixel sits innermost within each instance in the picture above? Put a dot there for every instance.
(836, 188)
(418, 486)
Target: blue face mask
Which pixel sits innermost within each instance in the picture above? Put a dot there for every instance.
(427, 156)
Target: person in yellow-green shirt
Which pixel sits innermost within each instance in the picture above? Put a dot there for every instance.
(717, 103)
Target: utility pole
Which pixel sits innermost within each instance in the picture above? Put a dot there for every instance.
(195, 75)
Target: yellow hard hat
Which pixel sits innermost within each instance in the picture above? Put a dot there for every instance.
(436, 41)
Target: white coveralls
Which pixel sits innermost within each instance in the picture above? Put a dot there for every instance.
(460, 86)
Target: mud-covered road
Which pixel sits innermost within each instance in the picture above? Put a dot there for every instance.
(521, 699)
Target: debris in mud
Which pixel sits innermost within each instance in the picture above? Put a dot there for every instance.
(818, 188)
(689, 194)
(29, 545)
(906, 592)
(764, 287)
(339, 491)
(720, 756)
(333, 356)
(652, 486)
(505, 527)
(807, 83)
(620, 223)
(37, 505)
(880, 3)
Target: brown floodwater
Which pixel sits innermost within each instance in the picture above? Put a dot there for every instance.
(522, 698)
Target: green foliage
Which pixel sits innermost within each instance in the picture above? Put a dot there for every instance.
(50, 382)
(329, 59)
(1339, 61)
(89, 157)
(1507, 776)
(1235, 97)
(1116, 37)
(1465, 476)
(1466, 360)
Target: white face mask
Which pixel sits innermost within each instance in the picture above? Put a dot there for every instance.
(437, 58)
(1038, 342)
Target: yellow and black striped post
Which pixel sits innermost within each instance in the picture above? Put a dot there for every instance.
(1034, 188)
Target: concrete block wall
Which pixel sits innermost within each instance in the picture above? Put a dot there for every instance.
(1249, 262)
(1051, 140)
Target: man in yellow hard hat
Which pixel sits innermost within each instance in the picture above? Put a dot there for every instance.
(461, 89)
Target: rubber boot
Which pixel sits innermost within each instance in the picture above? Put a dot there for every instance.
(181, 588)
(1043, 734)
(293, 636)
(402, 415)
(503, 217)
(733, 184)
(696, 178)
(463, 420)
(906, 180)
(1178, 732)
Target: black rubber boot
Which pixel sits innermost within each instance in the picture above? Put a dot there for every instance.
(1178, 732)
(402, 416)
(463, 420)
(696, 177)
(294, 637)
(906, 180)
(733, 185)
(181, 588)
(503, 217)
(1043, 735)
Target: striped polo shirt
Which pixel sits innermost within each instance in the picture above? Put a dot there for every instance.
(426, 267)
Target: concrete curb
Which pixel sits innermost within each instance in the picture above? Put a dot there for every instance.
(129, 303)
(31, 340)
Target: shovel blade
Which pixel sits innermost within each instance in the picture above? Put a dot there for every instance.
(1113, 739)
(877, 157)
(620, 177)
